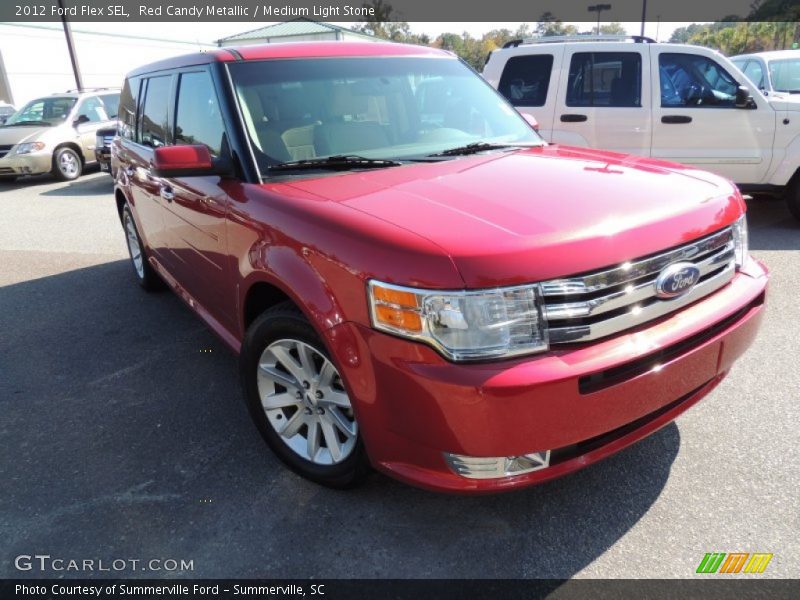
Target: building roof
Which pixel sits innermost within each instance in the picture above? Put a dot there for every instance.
(299, 26)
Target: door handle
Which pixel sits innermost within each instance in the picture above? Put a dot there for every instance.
(573, 118)
(166, 193)
(675, 119)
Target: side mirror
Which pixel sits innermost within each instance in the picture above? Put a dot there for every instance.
(184, 161)
(531, 121)
(80, 120)
(743, 98)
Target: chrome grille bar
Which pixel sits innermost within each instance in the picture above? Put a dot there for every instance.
(625, 297)
(631, 271)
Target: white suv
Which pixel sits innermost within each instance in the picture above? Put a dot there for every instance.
(676, 102)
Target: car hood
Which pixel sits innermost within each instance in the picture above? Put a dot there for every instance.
(785, 101)
(513, 217)
(14, 135)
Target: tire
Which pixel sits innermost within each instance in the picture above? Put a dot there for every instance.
(144, 273)
(793, 199)
(67, 164)
(8, 178)
(337, 457)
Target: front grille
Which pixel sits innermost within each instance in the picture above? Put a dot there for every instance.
(4, 150)
(107, 139)
(6, 171)
(602, 303)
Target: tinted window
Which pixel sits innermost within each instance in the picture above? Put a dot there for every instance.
(111, 104)
(605, 79)
(525, 79)
(93, 109)
(155, 112)
(690, 80)
(127, 108)
(755, 73)
(198, 120)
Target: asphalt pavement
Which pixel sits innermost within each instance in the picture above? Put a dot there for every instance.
(123, 435)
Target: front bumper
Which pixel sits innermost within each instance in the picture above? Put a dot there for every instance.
(35, 163)
(103, 158)
(582, 403)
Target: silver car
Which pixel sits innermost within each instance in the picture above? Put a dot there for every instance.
(55, 134)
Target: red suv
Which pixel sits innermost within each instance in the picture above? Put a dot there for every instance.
(412, 278)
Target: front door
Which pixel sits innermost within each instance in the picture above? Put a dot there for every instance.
(89, 116)
(696, 121)
(196, 207)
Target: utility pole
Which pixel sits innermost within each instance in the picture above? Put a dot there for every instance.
(71, 47)
(644, 17)
(598, 8)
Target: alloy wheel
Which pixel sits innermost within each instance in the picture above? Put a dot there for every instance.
(305, 402)
(134, 247)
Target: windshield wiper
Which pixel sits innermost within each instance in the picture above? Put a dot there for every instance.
(476, 147)
(336, 163)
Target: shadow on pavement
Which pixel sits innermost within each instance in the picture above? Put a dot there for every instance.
(84, 186)
(772, 226)
(124, 435)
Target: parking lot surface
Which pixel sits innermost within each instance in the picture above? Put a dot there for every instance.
(123, 435)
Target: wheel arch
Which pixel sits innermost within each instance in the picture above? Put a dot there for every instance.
(71, 146)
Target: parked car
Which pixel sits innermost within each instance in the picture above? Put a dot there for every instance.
(102, 149)
(776, 74)
(55, 134)
(427, 287)
(6, 110)
(677, 102)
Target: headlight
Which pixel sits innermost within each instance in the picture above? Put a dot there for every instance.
(740, 244)
(27, 148)
(464, 325)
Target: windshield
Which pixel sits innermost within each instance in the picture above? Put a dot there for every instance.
(785, 75)
(391, 108)
(46, 111)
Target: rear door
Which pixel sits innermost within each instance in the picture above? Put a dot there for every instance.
(604, 99)
(530, 82)
(696, 121)
(196, 207)
(90, 115)
(143, 127)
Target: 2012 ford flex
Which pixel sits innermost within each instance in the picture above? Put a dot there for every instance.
(413, 279)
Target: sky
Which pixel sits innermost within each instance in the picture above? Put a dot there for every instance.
(207, 32)
(47, 69)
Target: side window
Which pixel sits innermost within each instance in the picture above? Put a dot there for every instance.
(605, 79)
(127, 108)
(93, 109)
(111, 104)
(154, 123)
(755, 73)
(525, 79)
(690, 80)
(198, 119)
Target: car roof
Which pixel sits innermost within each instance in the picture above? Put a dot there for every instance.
(771, 54)
(292, 50)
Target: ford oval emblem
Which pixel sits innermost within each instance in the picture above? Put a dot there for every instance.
(676, 280)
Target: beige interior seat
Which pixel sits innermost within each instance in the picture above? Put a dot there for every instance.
(345, 132)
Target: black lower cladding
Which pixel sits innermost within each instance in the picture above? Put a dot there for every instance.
(604, 379)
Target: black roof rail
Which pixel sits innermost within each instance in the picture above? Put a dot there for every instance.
(554, 39)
